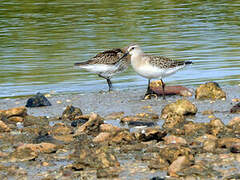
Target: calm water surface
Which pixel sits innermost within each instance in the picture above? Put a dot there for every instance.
(41, 40)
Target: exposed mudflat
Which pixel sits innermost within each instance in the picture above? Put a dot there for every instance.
(137, 157)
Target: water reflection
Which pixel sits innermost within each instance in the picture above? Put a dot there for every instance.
(41, 40)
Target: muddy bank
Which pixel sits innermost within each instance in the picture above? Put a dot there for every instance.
(125, 137)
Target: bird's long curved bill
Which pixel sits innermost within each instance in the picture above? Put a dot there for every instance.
(123, 56)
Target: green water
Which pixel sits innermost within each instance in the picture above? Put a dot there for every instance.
(41, 40)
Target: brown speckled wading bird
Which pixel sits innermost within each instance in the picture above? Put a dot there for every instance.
(153, 66)
(107, 63)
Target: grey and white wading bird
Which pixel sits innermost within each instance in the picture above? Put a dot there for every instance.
(152, 67)
(107, 63)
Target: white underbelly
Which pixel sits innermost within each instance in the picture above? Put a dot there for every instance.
(98, 68)
(152, 72)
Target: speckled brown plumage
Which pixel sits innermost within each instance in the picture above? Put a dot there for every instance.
(109, 57)
(164, 62)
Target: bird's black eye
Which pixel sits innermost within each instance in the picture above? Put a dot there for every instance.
(133, 48)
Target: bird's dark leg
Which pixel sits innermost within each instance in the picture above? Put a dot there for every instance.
(108, 81)
(109, 84)
(149, 92)
(163, 88)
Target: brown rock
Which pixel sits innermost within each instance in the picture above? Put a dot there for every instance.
(207, 112)
(194, 128)
(16, 119)
(102, 137)
(156, 87)
(235, 108)
(86, 155)
(131, 118)
(92, 126)
(171, 139)
(234, 121)
(148, 115)
(150, 133)
(108, 172)
(217, 123)
(22, 154)
(71, 112)
(227, 142)
(114, 115)
(173, 120)
(173, 151)
(209, 145)
(67, 138)
(158, 163)
(180, 163)
(4, 127)
(205, 137)
(109, 128)
(181, 107)
(61, 129)
(38, 148)
(122, 137)
(19, 111)
(210, 90)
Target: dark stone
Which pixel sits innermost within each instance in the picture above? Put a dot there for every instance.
(141, 123)
(37, 101)
(77, 122)
(45, 137)
(235, 108)
(157, 178)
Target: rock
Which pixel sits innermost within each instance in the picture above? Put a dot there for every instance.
(180, 107)
(209, 145)
(205, 137)
(109, 128)
(158, 163)
(157, 178)
(217, 126)
(235, 108)
(207, 112)
(173, 120)
(38, 148)
(66, 138)
(18, 111)
(86, 154)
(4, 127)
(78, 122)
(173, 151)
(45, 137)
(132, 118)
(102, 137)
(108, 172)
(23, 154)
(180, 163)
(210, 90)
(191, 128)
(234, 122)
(152, 116)
(149, 134)
(114, 115)
(227, 142)
(235, 148)
(156, 87)
(15, 119)
(35, 121)
(37, 101)
(171, 139)
(92, 126)
(71, 112)
(122, 137)
(133, 147)
(60, 129)
(141, 123)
